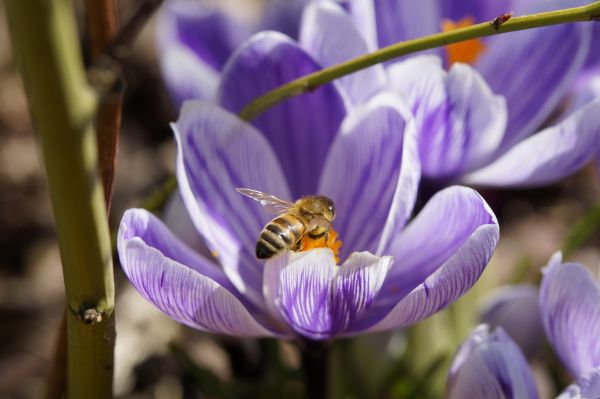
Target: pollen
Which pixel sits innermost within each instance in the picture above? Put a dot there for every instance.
(466, 52)
(330, 242)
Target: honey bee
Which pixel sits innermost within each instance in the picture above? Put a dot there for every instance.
(310, 215)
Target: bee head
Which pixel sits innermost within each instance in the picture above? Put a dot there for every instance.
(329, 211)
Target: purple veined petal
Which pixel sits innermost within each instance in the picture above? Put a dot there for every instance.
(479, 10)
(593, 59)
(283, 16)
(330, 36)
(534, 69)
(301, 129)
(317, 298)
(182, 284)
(218, 152)
(569, 305)
(547, 156)
(355, 287)
(186, 76)
(297, 285)
(515, 308)
(586, 387)
(385, 22)
(460, 121)
(439, 256)
(363, 174)
(208, 32)
(177, 219)
(585, 90)
(490, 365)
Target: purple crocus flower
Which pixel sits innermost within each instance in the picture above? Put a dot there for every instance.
(475, 123)
(489, 365)
(570, 308)
(392, 273)
(516, 309)
(195, 40)
(569, 305)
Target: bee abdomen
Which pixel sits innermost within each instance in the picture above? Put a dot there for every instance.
(279, 234)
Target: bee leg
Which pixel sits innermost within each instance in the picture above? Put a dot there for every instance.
(297, 246)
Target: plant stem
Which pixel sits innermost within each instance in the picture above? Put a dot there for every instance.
(310, 82)
(315, 359)
(62, 107)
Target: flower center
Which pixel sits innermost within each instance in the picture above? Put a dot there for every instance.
(466, 52)
(325, 241)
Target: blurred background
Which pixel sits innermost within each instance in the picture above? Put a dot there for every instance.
(156, 357)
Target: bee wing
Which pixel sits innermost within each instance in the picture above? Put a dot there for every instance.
(271, 203)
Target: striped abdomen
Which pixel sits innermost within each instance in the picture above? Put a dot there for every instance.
(283, 232)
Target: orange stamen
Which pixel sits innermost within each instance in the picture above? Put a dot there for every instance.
(466, 52)
(331, 242)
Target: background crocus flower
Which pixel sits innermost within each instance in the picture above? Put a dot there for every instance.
(475, 124)
(364, 159)
(570, 308)
(195, 40)
(489, 365)
(516, 309)
(569, 304)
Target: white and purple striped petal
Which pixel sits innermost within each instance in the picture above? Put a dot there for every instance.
(385, 22)
(301, 129)
(547, 156)
(368, 177)
(182, 284)
(218, 152)
(460, 121)
(330, 36)
(534, 69)
(317, 298)
(570, 308)
(194, 41)
(438, 257)
(489, 365)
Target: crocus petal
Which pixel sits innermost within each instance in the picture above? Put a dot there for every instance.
(356, 285)
(317, 298)
(330, 36)
(177, 219)
(547, 156)
(480, 11)
(586, 387)
(363, 173)
(489, 365)
(460, 121)
(283, 16)
(515, 308)
(297, 285)
(300, 129)
(385, 22)
(209, 33)
(439, 256)
(218, 152)
(569, 304)
(184, 285)
(534, 69)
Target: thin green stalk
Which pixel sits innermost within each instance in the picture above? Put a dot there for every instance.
(311, 82)
(62, 107)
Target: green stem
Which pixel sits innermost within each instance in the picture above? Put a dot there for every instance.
(62, 107)
(310, 82)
